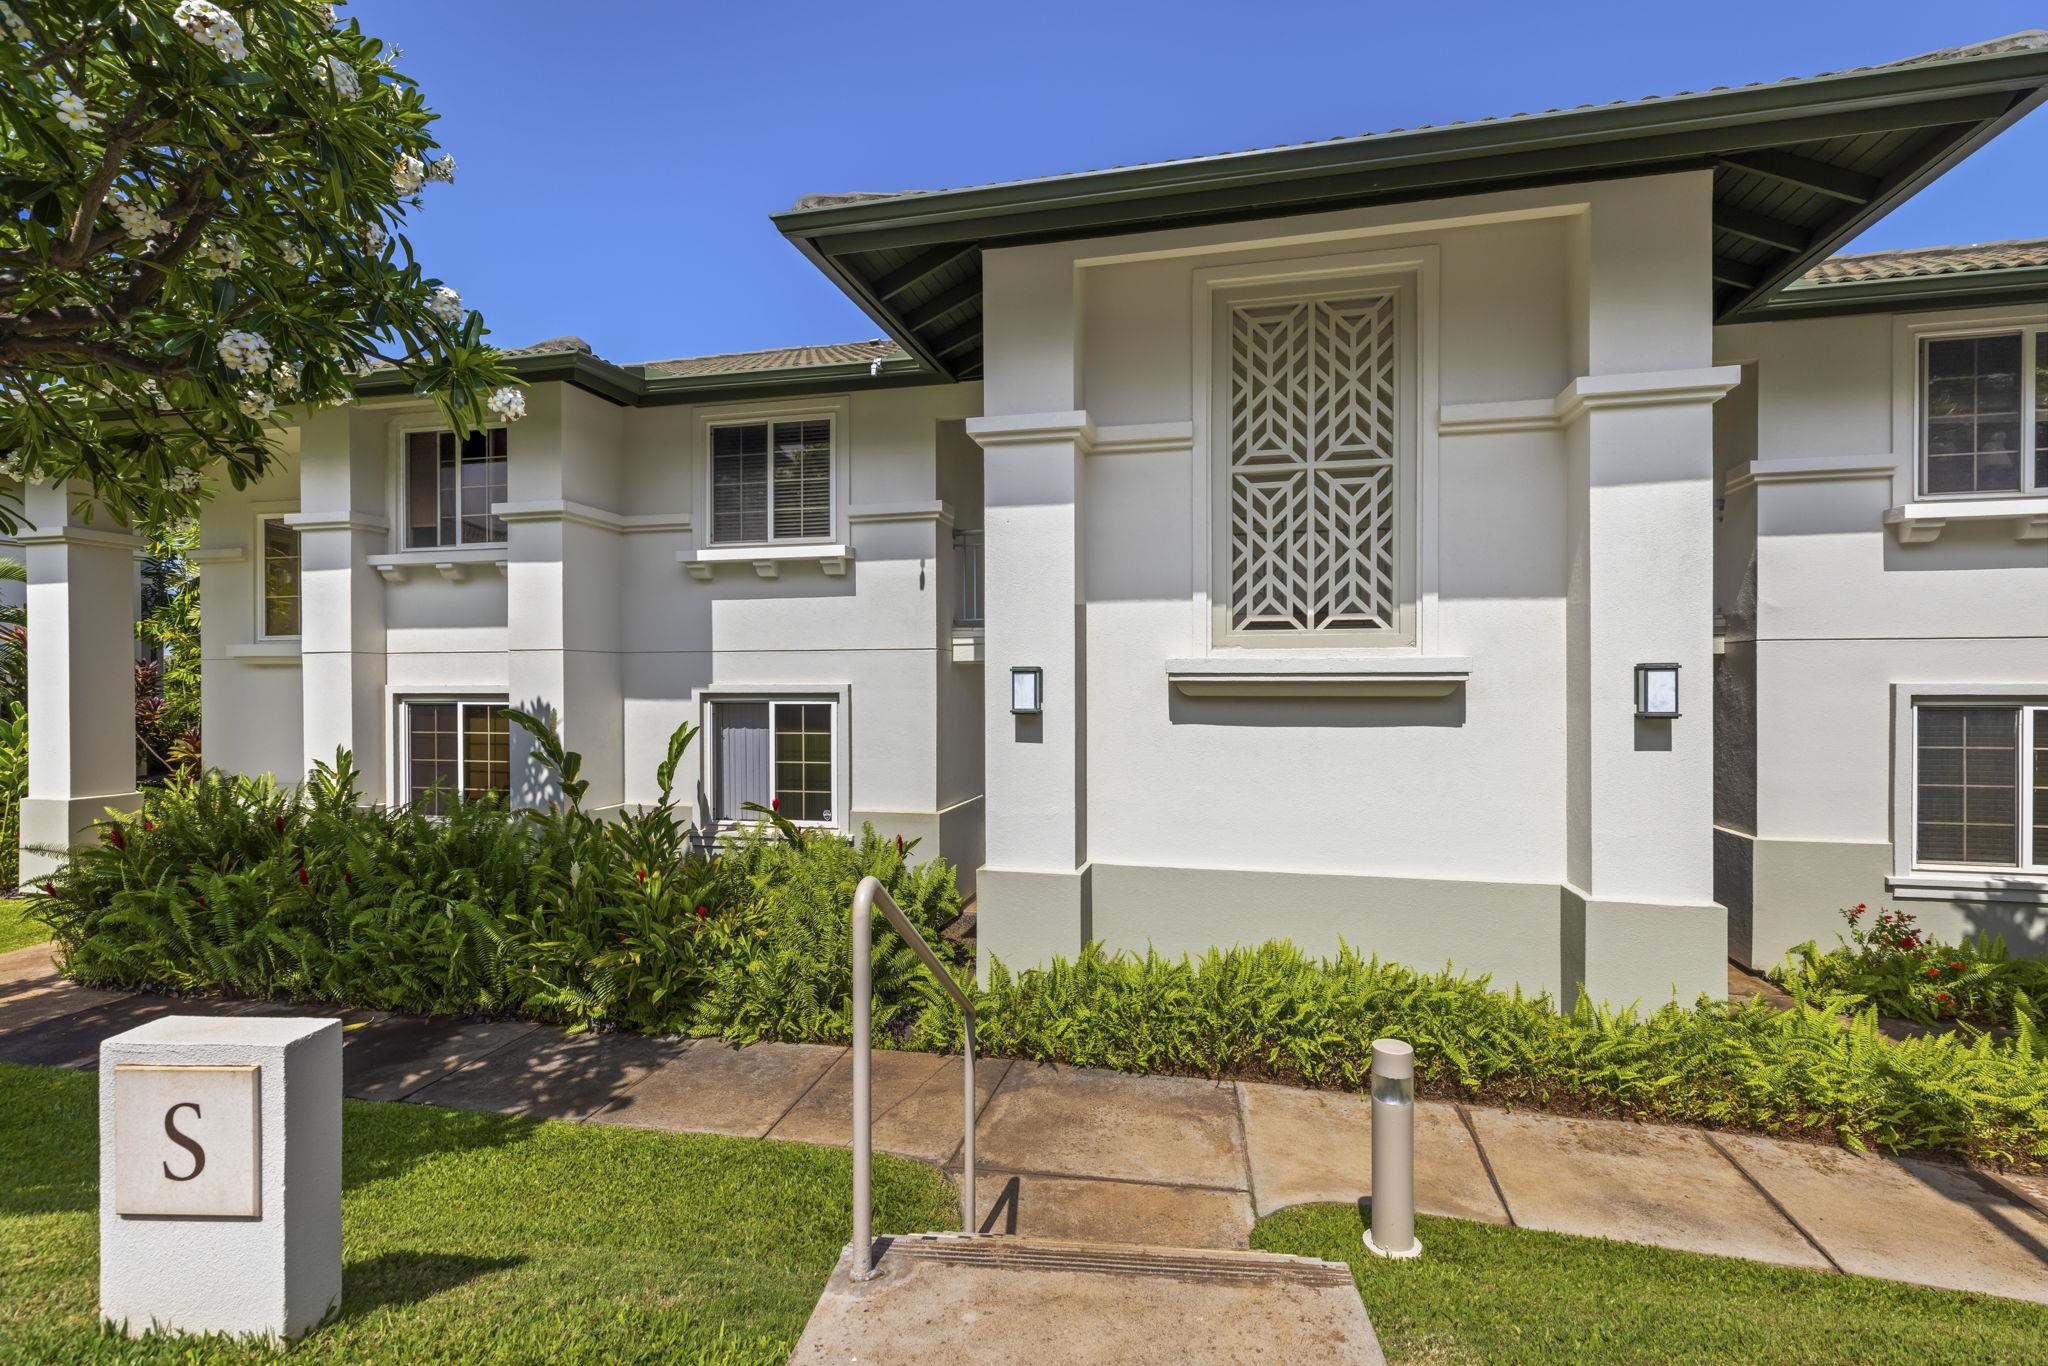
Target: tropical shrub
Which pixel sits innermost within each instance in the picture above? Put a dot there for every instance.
(1274, 1012)
(229, 883)
(1904, 972)
(13, 787)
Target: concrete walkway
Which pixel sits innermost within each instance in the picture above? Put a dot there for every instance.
(1083, 1155)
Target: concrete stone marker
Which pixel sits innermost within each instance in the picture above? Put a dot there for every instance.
(220, 1175)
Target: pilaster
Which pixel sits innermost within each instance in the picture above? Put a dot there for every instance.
(341, 522)
(81, 671)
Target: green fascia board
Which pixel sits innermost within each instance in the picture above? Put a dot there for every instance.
(1906, 294)
(628, 389)
(1733, 119)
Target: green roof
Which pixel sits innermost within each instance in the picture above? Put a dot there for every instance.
(1800, 166)
(695, 379)
(1920, 277)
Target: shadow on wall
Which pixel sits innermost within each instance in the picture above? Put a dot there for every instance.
(1317, 712)
(2023, 926)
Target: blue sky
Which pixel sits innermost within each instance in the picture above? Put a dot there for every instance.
(618, 160)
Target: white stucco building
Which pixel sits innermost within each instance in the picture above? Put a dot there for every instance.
(1259, 546)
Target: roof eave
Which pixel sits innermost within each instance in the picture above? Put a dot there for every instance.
(629, 389)
(1906, 294)
(1444, 148)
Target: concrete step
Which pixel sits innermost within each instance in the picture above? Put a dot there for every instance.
(957, 1297)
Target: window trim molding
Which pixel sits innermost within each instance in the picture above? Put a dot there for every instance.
(839, 695)
(260, 513)
(1417, 268)
(397, 695)
(835, 408)
(401, 429)
(1910, 335)
(1907, 872)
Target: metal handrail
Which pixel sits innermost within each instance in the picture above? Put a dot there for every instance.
(865, 898)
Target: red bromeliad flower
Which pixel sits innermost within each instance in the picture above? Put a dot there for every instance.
(50, 887)
(114, 837)
(277, 824)
(701, 912)
(640, 873)
(622, 939)
(899, 846)
(149, 825)
(200, 899)
(1956, 966)
(302, 875)
(1934, 972)
(775, 803)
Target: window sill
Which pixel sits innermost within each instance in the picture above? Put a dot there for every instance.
(2026, 889)
(452, 563)
(1281, 675)
(266, 652)
(767, 560)
(1922, 523)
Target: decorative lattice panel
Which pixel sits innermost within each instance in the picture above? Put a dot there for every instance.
(1313, 399)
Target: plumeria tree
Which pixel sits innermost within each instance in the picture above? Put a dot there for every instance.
(205, 213)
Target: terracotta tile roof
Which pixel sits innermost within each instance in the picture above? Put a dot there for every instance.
(2011, 42)
(1915, 262)
(776, 358)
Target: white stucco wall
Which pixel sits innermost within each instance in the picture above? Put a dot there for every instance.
(587, 611)
(1847, 616)
(1534, 496)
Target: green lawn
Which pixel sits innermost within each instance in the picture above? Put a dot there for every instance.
(17, 931)
(1481, 1293)
(481, 1238)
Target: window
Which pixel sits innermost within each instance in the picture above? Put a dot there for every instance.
(771, 481)
(774, 753)
(1985, 414)
(456, 748)
(1315, 415)
(1981, 785)
(450, 487)
(280, 606)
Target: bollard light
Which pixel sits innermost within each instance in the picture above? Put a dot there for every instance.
(1393, 1151)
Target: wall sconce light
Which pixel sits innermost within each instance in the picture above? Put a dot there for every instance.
(1027, 691)
(1657, 691)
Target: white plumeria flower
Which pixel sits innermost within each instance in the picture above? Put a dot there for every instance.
(72, 113)
(222, 253)
(12, 22)
(139, 219)
(374, 239)
(182, 481)
(327, 12)
(507, 404)
(342, 77)
(293, 254)
(258, 404)
(212, 27)
(245, 353)
(408, 174)
(445, 304)
(442, 169)
(284, 377)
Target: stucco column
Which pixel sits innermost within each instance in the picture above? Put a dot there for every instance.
(341, 522)
(563, 599)
(1033, 893)
(81, 672)
(1639, 912)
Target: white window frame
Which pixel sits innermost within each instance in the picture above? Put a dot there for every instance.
(1910, 409)
(1911, 701)
(834, 410)
(259, 515)
(399, 789)
(837, 697)
(401, 493)
(1415, 270)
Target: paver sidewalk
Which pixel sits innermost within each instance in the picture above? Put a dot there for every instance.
(1083, 1155)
